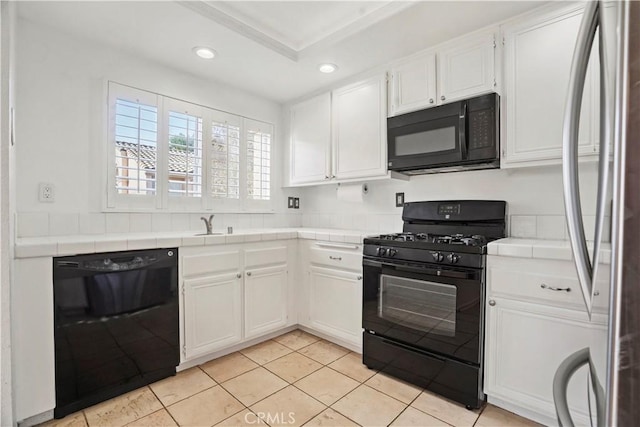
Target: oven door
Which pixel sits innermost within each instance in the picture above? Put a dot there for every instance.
(433, 309)
(427, 138)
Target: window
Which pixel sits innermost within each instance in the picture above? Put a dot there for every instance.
(258, 161)
(174, 155)
(136, 134)
(185, 155)
(225, 160)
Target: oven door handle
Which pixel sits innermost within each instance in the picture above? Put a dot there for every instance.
(455, 274)
(428, 271)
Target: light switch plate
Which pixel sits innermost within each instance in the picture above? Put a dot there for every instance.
(296, 203)
(399, 200)
(290, 204)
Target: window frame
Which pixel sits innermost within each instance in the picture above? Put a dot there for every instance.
(130, 202)
(162, 201)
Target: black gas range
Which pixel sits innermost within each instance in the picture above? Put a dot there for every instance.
(423, 296)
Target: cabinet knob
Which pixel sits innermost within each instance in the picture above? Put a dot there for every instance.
(335, 258)
(239, 276)
(492, 302)
(248, 273)
(326, 177)
(333, 177)
(443, 98)
(431, 101)
(359, 277)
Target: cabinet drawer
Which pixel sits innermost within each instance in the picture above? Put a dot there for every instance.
(265, 256)
(347, 259)
(210, 262)
(537, 279)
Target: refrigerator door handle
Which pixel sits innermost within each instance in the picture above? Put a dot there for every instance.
(606, 118)
(563, 374)
(573, 208)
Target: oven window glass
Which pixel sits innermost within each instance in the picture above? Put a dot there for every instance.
(431, 141)
(421, 305)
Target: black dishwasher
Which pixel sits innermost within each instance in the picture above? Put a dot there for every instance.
(116, 324)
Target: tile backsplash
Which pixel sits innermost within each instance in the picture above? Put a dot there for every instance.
(38, 224)
(41, 224)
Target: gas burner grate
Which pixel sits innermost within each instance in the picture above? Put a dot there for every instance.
(454, 239)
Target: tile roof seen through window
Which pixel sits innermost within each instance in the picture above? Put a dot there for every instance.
(178, 159)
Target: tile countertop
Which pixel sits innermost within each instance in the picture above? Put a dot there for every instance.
(31, 247)
(541, 249)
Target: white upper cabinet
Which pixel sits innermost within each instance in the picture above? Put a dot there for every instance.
(465, 68)
(538, 54)
(413, 84)
(359, 129)
(311, 140)
(340, 136)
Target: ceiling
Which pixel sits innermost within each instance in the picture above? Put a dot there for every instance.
(271, 48)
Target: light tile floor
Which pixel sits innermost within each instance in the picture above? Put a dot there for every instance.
(295, 379)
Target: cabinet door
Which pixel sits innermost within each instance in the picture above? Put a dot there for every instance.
(311, 140)
(467, 68)
(335, 303)
(538, 55)
(413, 85)
(525, 344)
(359, 129)
(265, 300)
(212, 315)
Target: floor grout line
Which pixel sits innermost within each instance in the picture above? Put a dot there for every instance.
(293, 384)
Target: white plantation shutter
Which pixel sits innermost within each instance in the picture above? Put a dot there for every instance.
(164, 153)
(258, 154)
(185, 154)
(133, 149)
(136, 147)
(225, 157)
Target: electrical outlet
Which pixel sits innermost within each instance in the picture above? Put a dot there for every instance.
(399, 200)
(290, 203)
(296, 203)
(46, 192)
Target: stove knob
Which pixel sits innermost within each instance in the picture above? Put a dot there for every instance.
(392, 252)
(453, 258)
(437, 256)
(379, 251)
(385, 251)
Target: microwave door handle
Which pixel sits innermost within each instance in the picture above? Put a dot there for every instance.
(462, 130)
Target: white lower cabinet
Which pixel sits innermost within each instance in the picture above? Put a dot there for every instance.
(233, 293)
(335, 302)
(212, 313)
(330, 300)
(265, 297)
(526, 342)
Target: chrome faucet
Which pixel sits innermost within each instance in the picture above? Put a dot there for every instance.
(208, 223)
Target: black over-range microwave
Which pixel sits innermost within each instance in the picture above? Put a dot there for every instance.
(456, 136)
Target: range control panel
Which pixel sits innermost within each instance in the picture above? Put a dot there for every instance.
(424, 256)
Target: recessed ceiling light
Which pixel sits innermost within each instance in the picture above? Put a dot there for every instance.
(204, 52)
(327, 68)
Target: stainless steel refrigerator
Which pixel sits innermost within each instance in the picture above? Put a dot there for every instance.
(614, 363)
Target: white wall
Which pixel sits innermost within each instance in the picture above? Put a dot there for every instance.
(60, 132)
(534, 199)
